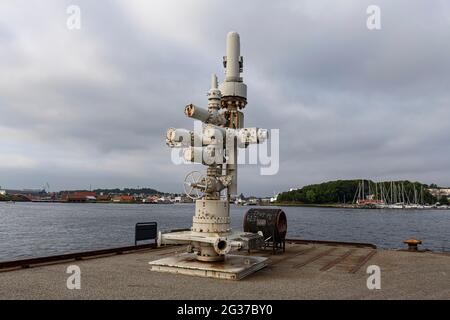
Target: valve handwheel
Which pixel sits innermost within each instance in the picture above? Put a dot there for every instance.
(194, 185)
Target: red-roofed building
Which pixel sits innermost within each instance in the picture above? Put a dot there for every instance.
(80, 196)
(127, 199)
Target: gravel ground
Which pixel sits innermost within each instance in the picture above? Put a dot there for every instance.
(404, 275)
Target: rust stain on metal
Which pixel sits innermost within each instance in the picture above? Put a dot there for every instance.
(363, 261)
(336, 261)
(28, 263)
(316, 257)
(302, 252)
(332, 243)
(178, 250)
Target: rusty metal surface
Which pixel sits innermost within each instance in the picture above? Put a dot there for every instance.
(363, 261)
(27, 263)
(178, 249)
(336, 261)
(314, 258)
(334, 243)
(292, 256)
(272, 223)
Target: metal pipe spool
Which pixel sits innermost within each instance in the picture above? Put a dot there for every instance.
(271, 222)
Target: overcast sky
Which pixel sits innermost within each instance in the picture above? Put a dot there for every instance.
(91, 106)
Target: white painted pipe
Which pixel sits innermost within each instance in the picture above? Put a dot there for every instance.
(233, 54)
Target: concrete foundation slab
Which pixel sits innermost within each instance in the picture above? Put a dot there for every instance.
(235, 267)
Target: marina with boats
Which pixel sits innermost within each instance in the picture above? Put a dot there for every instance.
(392, 195)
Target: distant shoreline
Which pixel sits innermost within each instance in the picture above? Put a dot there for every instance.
(298, 204)
(276, 204)
(349, 206)
(282, 204)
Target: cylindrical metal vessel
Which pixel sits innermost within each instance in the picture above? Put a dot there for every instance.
(192, 111)
(233, 53)
(272, 223)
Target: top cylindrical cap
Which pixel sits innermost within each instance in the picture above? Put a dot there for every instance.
(214, 94)
(214, 81)
(233, 54)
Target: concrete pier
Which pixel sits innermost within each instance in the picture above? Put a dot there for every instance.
(305, 271)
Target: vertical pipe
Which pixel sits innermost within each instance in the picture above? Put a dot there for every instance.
(214, 81)
(233, 54)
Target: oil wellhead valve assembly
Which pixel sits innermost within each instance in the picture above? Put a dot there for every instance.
(215, 145)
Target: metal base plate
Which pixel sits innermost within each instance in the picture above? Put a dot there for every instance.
(235, 267)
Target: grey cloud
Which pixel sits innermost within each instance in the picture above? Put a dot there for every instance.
(93, 105)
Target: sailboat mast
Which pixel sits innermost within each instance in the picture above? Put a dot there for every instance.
(376, 190)
(415, 195)
(392, 192)
(356, 193)
(403, 193)
(363, 190)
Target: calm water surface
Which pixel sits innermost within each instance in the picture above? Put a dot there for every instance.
(38, 229)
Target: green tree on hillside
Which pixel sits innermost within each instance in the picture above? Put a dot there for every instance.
(311, 196)
(346, 190)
